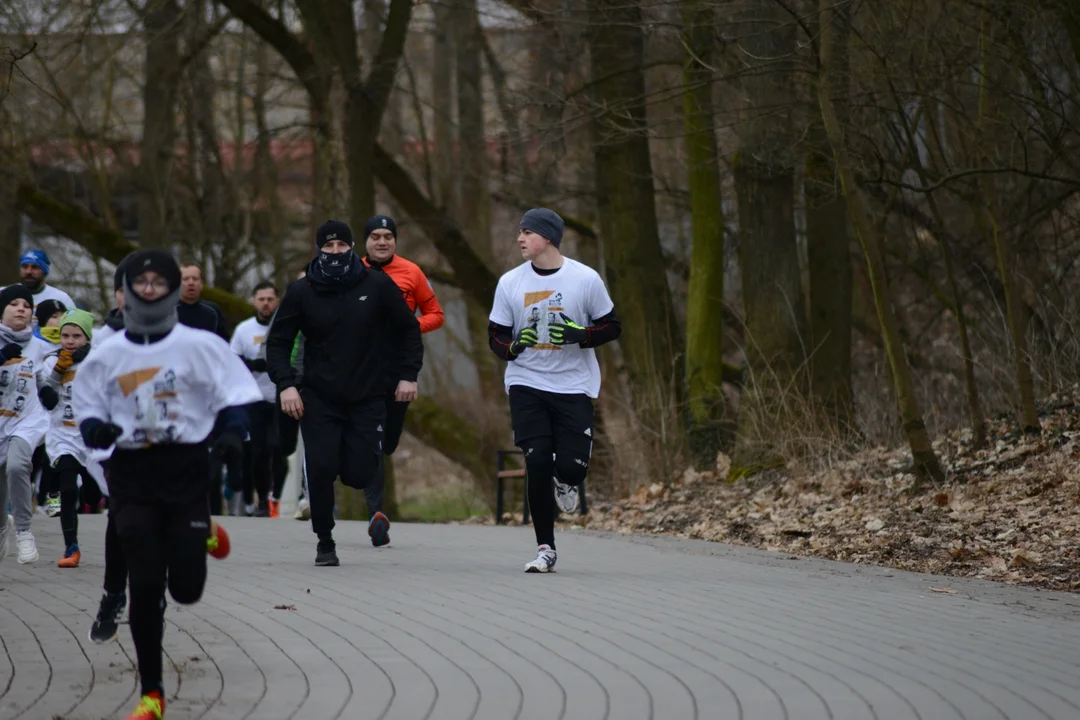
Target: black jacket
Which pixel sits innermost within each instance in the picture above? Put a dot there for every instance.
(360, 338)
(202, 315)
(114, 319)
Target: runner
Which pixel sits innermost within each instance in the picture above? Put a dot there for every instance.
(47, 337)
(193, 310)
(155, 392)
(552, 376)
(63, 443)
(267, 467)
(23, 422)
(357, 331)
(34, 267)
(381, 233)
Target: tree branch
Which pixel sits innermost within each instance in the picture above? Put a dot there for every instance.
(380, 80)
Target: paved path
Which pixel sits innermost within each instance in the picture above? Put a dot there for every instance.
(445, 625)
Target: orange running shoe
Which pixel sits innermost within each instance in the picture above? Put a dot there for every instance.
(71, 557)
(151, 707)
(218, 542)
(274, 508)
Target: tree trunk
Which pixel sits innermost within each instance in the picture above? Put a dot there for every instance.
(705, 298)
(773, 305)
(443, 62)
(636, 269)
(990, 104)
(162, 29)
(10, 212)
(835, 30)
(267, 203)
(828, 246)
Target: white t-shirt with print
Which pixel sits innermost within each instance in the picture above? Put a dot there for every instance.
(165, 392)
(21, 413)
(524, 297)
(63, 437)
(247, 342)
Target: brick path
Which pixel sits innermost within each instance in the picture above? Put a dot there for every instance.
(445, 625)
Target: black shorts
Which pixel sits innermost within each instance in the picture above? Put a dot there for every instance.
(565, 418)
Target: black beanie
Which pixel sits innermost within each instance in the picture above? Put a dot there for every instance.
(118, 276)
(15, 292)
(159, 261)
(380, 222)
(333, 230)
(46, 309)
(545, 223)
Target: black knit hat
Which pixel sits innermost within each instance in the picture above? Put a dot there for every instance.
(46, 309)
(15, 292)
(545, 223)
(333, 230)
(380, 222)
(159, 261)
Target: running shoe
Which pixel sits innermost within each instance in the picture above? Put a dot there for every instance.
(218, 543)
(379, 530)
(303, 510)
(52, 505)
(151, 707)
(566, 496)
(27, 547)
(6, 533)
(110, 615)
(326, 554)
(544, 562)
(71, 557)
(275, 508)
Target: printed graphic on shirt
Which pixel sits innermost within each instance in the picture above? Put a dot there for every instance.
(156, 402)
(546, 305)
(16, 384)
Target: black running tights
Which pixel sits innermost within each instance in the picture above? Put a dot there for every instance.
(65, 480)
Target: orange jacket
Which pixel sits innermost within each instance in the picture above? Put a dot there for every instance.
(418, 293)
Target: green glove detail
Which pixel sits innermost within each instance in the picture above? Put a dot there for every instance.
(567, 332)
(527, 338)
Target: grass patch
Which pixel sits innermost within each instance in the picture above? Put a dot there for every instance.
(436, 507)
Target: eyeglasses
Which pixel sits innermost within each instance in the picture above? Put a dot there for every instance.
(142, 284)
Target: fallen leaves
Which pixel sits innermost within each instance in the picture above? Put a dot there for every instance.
(1007, 512)
(285, 607)
(945, 590)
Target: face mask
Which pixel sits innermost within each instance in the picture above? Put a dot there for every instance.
(335, 264)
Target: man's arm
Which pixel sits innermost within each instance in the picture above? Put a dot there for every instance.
(603, 330)
(405, 328)
(431, 313)
(279, 341)
(500, 338)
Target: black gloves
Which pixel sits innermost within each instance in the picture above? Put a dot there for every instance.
(79, 355)
(567, 332)
(48, 397)
(11, 351)
(98, 434)
(527, 338)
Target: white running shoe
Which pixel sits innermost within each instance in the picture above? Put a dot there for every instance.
(544, 562)
(566, 497)
(6, 533)
(303, 510)
(27, 547)
(52, 506)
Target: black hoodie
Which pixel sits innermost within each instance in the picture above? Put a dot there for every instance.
(360, 338)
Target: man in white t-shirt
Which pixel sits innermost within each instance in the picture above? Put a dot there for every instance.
(34, 267)
(268, 467)
(548, 315)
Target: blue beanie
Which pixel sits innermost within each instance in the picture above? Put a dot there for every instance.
(545, 223)
(36, 257)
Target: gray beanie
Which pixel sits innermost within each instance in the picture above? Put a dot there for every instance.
(545, 223)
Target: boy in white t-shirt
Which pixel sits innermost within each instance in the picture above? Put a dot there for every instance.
(156, 392)
(64, 445)
(548, 315)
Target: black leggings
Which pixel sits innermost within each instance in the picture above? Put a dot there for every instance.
(65, 480)
(393, 427)
(164, 543)
(115, 562)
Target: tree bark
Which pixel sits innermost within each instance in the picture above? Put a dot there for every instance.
(636, 270)
(835, 30)
(162, 30)
(773, 306)
(705, 297)
(443, 63)
(990, 108)
(10, 212)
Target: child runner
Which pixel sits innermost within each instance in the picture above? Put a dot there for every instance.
(156, 391)
(63, 444)
(23, 422)
(552, 376)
